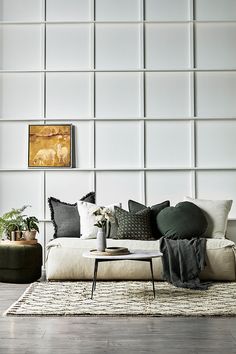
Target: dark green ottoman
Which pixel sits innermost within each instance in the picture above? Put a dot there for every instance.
(20, 263)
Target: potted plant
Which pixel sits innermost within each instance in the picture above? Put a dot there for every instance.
(11, 223)
(30, 227)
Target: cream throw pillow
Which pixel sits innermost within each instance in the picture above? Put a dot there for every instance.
(87, 219)
(216, 212)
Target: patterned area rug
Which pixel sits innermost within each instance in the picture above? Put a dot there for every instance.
(126, 298)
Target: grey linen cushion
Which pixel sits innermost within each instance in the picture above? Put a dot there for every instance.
(65, 216)
(133, 226)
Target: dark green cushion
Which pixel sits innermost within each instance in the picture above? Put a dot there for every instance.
(133, 226)
(20, 263)
(135, 207)
(185, 220)
(65, 216)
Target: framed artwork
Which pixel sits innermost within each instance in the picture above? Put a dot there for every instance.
(50, 145)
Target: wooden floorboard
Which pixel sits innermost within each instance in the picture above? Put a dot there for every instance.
(94, 335)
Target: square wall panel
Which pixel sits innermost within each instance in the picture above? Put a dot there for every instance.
(215, 45)
(167, 46)
(83, 136)
(68, 46)
(22, 188)
(21, 47)
(166, 185)
(207, 10)
(168, 144)
(69, 10)
(121, 10)
(167, 10)
(118, 95)
(21, 95)
(49, 231)
(217, 185)
(167, 94)
(68, 95)
(40, 235)
(83, 144)
(118, 187)
(118, 46)
(215, 94)
(21, 10)
(118, 144)
(216, 143)
(68, 186)
(14, 144)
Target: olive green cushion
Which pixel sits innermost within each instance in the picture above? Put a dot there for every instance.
(185, 220)
(20, 263)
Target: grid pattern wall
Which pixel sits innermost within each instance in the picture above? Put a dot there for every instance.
(150, 86)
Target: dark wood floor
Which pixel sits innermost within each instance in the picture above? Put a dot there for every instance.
(111, 335)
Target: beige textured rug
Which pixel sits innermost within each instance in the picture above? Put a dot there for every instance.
(126, 298)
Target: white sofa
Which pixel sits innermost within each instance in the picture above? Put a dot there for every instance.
(65, 261)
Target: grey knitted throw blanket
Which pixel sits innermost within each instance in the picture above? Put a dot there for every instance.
(183, 260)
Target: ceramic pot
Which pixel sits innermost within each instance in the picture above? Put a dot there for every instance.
(101, 240)
(18, 235)
(30, 235)
(13, 235)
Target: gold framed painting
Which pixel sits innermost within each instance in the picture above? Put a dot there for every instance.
(50, 145)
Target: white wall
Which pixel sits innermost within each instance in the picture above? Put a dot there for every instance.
(153, 103)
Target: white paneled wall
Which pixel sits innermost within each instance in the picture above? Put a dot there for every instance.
(149, 86)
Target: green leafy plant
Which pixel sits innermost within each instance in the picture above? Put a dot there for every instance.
(12, 221)
(31, 223)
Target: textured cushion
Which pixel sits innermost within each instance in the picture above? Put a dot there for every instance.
(87, 219)
(65, 216)
(185, 220)
(135, 207)
(134, 226)
(216, 212)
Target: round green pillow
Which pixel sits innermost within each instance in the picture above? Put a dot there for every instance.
(185, 220)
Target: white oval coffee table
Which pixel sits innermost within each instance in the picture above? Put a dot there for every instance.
(134, 255)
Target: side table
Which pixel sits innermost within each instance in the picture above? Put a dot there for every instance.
(135, 255)
(20, 263)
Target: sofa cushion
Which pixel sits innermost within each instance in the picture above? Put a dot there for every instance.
(216, 212)
(88, 220)
(79, 243)
(65, 260)
(65, 216)
(133, 226)
(135, 207)
(185, 220)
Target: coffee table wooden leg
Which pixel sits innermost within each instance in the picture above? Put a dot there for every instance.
(94, 277)
(153, 285)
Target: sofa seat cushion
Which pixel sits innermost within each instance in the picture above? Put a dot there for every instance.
(131, 244)
(65, 261)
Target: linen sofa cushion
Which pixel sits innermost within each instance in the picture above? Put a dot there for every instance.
(135, 207)
(185, 220)
(216, 212)
(65, 216)
(65, 260)
(133, 226)
(87, 219)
